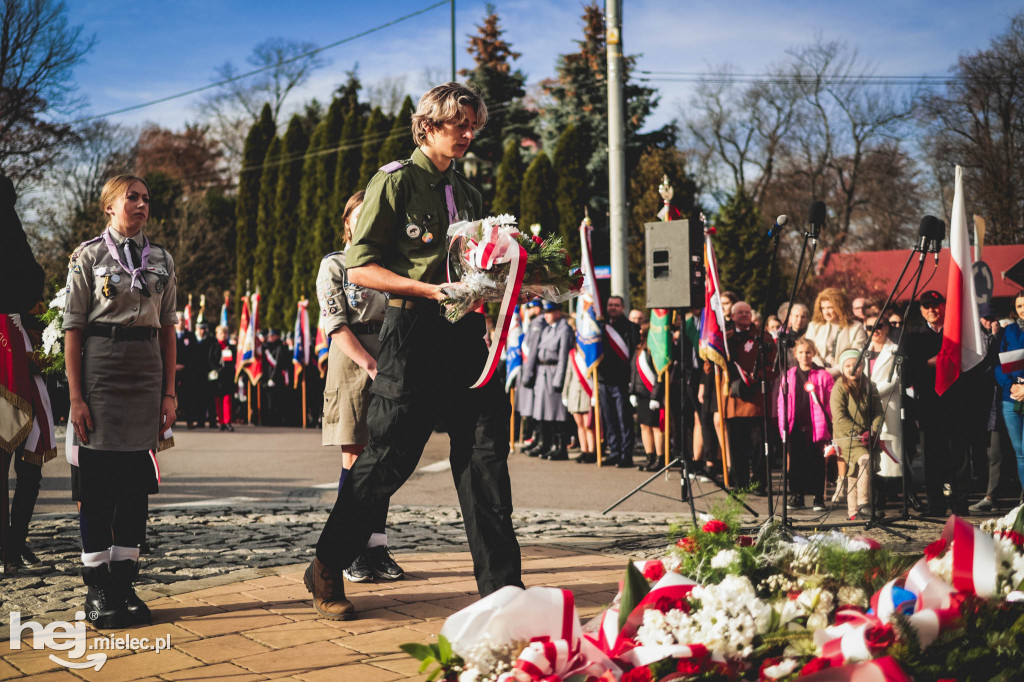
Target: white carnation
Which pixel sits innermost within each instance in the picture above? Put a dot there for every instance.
(725, 558)
(51, 336)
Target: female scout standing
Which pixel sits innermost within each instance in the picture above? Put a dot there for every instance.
(352, 317)
(120, 351)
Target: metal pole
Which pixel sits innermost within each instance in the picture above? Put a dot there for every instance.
(616, 154)
(453, 39)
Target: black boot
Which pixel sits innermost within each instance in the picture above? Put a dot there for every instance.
(104, 607)
(541, 440)
(652, 463)
(557, 452)
(123, 575)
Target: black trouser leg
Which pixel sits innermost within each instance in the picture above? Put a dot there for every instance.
(95, 521)
(936, 441)
(129, 521)
(26, 492)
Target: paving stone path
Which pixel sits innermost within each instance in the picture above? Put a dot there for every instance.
(198, 546)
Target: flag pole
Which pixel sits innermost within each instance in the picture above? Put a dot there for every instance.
(723, 433)
(597, 416)
(668, 418)
(512, 420)
(303, 400)
(248, 403)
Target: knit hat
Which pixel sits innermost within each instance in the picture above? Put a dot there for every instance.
(846, 355)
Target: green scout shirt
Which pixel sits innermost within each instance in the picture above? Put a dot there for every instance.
(403, 206)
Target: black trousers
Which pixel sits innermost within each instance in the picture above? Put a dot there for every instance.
(424, 371)
(26, 492)
(946, 460)
(746, 451)
(616, 423)
(806, 465)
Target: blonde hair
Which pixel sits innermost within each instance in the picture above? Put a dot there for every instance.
(115, 187)
(354, 202)
(838, 301)
(804, 341)
(446, 103)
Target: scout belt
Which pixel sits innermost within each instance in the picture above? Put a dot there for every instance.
(365, 328)
(119, 332)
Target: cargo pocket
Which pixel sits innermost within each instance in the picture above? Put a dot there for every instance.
(332, 411)
(393, 360)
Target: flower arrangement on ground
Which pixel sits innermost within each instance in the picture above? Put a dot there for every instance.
(51, 352)
(721, 605)
(491, 261)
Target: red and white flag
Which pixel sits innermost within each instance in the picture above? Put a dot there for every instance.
(962, 345)
(1011, 361)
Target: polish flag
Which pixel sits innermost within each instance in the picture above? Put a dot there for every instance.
(1011, 361)
(962, 345)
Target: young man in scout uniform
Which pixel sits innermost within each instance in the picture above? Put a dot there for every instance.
(426, 364)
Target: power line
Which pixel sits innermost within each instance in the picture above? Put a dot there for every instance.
(193, 91)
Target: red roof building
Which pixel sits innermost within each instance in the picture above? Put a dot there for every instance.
(878, 270)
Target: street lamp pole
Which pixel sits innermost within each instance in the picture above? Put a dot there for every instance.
(453, 40)
(616, 154)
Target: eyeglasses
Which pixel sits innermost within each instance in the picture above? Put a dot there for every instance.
(931, 306)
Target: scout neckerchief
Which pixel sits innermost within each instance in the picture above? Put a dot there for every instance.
(135, 272)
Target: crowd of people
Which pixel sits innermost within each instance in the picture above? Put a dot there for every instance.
(852, 403)
(397, 369)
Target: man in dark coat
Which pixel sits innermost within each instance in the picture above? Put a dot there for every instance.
(621, 337)
(546, 374)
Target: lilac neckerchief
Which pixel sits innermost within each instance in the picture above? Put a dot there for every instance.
(136, 272)
(449, 197)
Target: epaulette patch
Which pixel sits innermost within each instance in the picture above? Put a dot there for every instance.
(78, 251)
(393, 166)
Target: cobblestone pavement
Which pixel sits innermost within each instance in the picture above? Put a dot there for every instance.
(196, 545)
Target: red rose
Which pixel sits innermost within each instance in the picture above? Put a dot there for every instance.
(879, 637)
(666, 604)
(537, 240)
(745, 541)
(935, 549)
(641, 674)
(687, 544)
(715, 526)
(654, 570)
(814, 665)
(568, 260)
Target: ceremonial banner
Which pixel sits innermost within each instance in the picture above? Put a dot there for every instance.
(962, 345)
(514, 349)
(249, 353)
(323, 346)
(224, 310)
(300, 356)
(712, 318)
(588, 329)
(659, 339)
(187, 322)
(243, 333)
(201, 317)
(587, 265)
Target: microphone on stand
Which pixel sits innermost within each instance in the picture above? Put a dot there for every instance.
(816, 219)
(931, 232)
(780, 223)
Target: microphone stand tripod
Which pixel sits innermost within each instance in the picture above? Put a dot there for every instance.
(680, 459)
(759, 368)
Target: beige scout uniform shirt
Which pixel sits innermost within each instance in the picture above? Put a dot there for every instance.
(91, 265)
(347, 385)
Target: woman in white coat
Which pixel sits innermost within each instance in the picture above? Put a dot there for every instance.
(880, 358)
(833, 329)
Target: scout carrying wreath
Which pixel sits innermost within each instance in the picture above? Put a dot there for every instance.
(489, 260)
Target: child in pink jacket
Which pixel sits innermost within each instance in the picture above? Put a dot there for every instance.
(806, 423)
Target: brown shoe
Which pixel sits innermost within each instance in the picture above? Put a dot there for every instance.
(328, 592)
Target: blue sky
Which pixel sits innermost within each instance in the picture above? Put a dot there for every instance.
(148, 50)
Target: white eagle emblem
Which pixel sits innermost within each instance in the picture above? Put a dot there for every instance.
(748, 346)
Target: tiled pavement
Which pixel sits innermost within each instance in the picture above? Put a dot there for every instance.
(257, 628)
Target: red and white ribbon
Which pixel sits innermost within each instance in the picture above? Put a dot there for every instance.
(617, 343)
(576, 360)
(974, 558)
(884, 669)
(647, 374)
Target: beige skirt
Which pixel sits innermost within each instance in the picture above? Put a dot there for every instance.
(347, 395)
(122, 383)
(577, 400)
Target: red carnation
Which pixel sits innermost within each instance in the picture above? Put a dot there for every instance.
(814, 665)
(687, 544)
(715, 526)
(1014, 537)
(641, 674)
(537, 240)
(745, 541)
(935, 549)
(690, 666)
(879, 637)
(568, 260)
(654, 569)
(666, 604)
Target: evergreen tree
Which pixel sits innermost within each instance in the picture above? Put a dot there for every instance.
(645, 202)
(266, 226)
(314, 207)
(571, 190)
(501, 88)
(346, 175)
(348, 93)
(579, 95)
(509, 182)
(742, 257)
(374, 134)
(399, 144)
(286, 206)
(537, 201)
(256, 144)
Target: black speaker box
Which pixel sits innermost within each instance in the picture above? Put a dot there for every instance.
(674, 264)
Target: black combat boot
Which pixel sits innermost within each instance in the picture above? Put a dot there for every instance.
(541, 440)
(123, 575)
(104, 607)
(557, 452)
